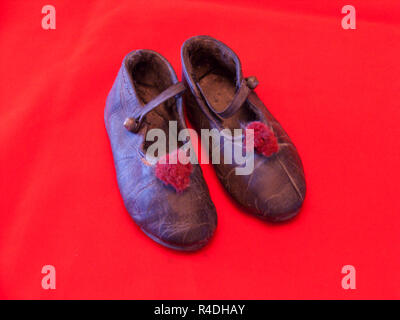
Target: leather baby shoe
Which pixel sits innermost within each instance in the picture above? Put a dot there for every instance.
(218, 97)
(169, 201)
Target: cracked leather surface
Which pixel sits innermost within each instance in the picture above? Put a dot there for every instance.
(185, 220)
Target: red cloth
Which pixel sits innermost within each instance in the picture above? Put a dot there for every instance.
(335, 91)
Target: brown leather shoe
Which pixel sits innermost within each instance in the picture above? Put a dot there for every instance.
(170, 202)
(219, 97)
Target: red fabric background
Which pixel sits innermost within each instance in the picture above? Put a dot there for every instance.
(335, 91)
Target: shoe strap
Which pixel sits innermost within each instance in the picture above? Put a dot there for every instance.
(133, 123)
(245, 88)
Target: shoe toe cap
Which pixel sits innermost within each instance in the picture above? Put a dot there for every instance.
(180, 220)
(275, 190)
(189, 230)
(278, 189)
(280, 205)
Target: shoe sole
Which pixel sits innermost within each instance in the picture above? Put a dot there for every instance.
(193, 247)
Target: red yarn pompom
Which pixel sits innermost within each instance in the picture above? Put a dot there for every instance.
(265, 141)
(175, 174)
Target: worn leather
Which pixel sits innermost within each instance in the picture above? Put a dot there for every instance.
(276, 189)
(184, 220)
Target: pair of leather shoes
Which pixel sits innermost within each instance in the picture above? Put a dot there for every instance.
(170, 201)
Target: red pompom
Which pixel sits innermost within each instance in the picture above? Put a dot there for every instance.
(265, 141)
(175, 174)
